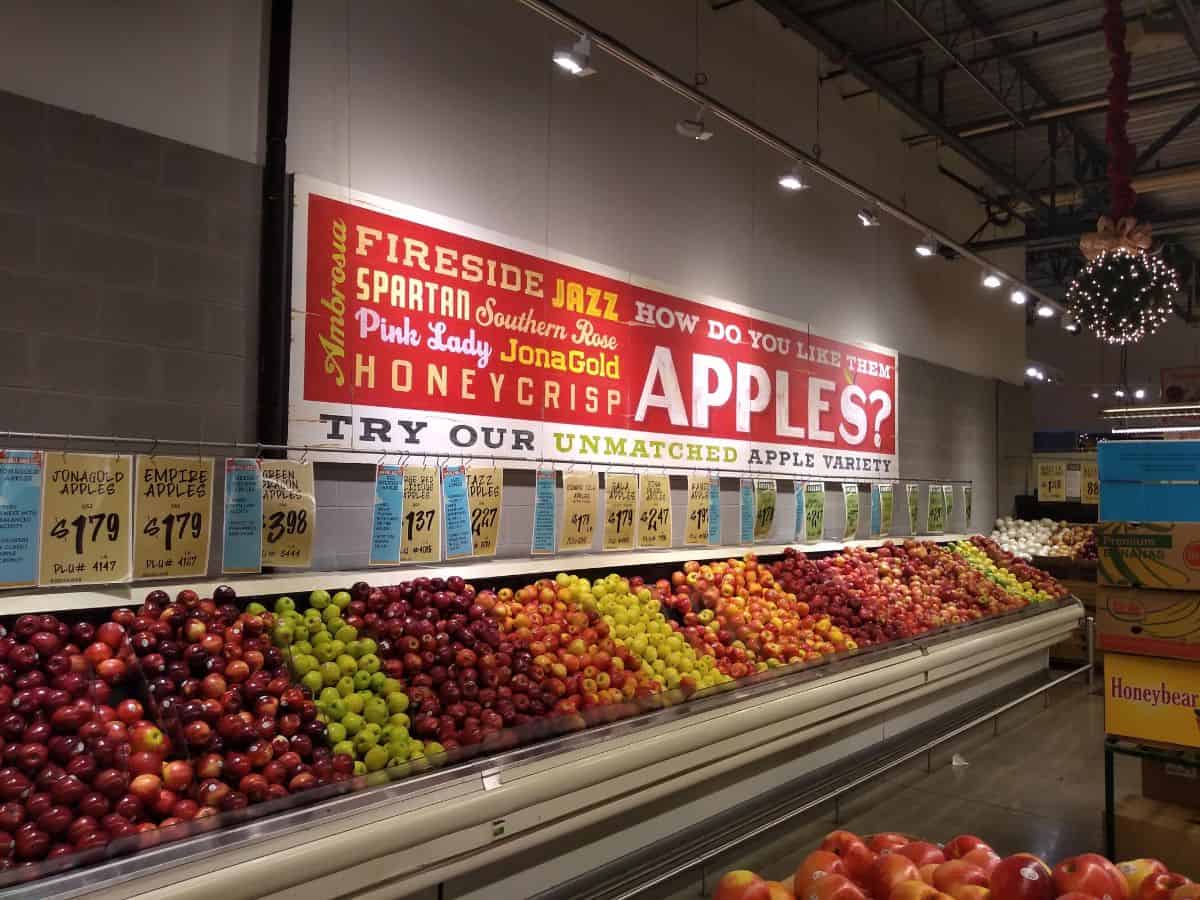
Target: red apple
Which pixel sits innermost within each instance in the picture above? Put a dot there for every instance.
(816, 865)
(741, 884)
(1090, 873)
(923, 853)
(958, 846)
(984, 857)
(777, 890)
(177, 775)
(887, 840)
(1021, 877)
(915, 890)
(856, 855)
(833, 887)
(1189, 891)
(955, 872)
(970, 892)
(148, 738)
(888, 871)
(1135, 871)
(146, 788)
(1160, 886)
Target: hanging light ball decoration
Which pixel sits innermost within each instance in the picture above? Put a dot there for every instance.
(1122, 295)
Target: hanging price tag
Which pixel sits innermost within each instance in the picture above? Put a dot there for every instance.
(485, 490)
(913, 492)
(746, 495)
(935, 510)
(948, 491)
(421, 530)
(85, 519)
(580, 510)
(967, 506)
(886, 507)
(289, 513)
(714, 510)
(20, 516)
(876, 515)
(1052, 482)
(241, 546)
(172, 516)
(654, 511)
(620, 510)
(544, 505)
(696, 530)
(814, 511)
(456, 513)
(850, 502)
(388, 518)
(1089, 491)
(765, 495)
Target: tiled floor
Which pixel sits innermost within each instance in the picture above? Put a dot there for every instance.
(1036, 784)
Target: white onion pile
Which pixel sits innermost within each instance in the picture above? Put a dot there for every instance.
(1025, 539)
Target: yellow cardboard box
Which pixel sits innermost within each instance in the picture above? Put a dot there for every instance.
(1152, 699)
(1162, 556)
(1149, 623)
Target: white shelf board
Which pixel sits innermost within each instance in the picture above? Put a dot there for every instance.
(28, 600)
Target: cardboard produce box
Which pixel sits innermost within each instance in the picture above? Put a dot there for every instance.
(1148, 623)
(1146, 828)
(1151, 699)
(1171, 782)
(1163, 556)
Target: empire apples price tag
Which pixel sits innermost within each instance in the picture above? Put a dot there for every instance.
(580, 508)
(913, 493)
(289, 508)
(172, 516)
(485, 490)
(814, 511)
(421, 528)
(696, 529)
(620, 510)
(654, 511)
(766, 492)
(850, 502)
(85, 519)
(746, 496)
(935, 510)
(1089, 490)
(21, 473)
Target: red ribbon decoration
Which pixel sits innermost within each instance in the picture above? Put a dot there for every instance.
(1121, 152)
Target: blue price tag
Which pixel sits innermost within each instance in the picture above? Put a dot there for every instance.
(387, 525)
(456, 513)
(747, 492)
(876, 510)
(544, 511)
(714, 511)
(241, 550)
(20, 516)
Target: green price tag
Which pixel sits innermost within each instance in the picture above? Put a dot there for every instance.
(914, 507)
(935, 515)
(885, 510)
(814, 511)
(850, 496)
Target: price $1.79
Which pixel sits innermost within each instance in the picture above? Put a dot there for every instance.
(88, 529)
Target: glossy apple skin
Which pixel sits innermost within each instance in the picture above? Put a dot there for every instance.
(1161, 886)
(1021, 877)
(890, 870)
(914, 890)
(777, 890)
(1090, 873)
(887, 840)
(816, 865)
(833, 887)
(1187, 892)
(1135, 871)
(923, 853)
(741, 884)
(856, 855)
(984, 857)
(958, 846)
(954, 872)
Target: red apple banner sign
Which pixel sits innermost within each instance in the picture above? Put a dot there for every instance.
(415, 334)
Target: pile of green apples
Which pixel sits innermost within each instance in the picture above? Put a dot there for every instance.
(365, 712)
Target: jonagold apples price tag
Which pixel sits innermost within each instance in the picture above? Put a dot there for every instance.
(85, 519)
(172, 516)
(388, 515)
(654, 511)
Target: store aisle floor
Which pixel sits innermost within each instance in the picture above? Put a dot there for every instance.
(1035, 783)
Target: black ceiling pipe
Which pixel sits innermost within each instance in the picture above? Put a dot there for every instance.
(274, 320)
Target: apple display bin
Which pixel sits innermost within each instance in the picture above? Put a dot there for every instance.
(539, 808)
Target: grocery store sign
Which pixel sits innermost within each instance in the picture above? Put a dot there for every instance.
(416, 334)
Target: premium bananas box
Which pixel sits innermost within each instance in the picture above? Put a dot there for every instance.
(1148, 623)
(1149, 699)
(1161, 556)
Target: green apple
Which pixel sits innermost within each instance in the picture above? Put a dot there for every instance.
(336, 710)
(302, 663)
(362, 680)
(331, 612)
(255, 608)
(364, 741)
(399, 720)
(328, 695)
(360, 768)
(397, 702)
(392, 686)
(353, 723)
(369, 663)
(335, 733)
(282, 634)
(330, 673)
(337, 648)
(375, 710)
(375, 758)
(355, 702)
(302, 647)
(324, 652)
(346, 634)
(347, 663)
(321, 639)
(344, 747)
(341, 599)
(369, 646)
(377, 683)
(313, 618)
(313, 681)
(433, 748)
(354, 648)
(345, 684)
(300, 630)
(284, 605)
(318, 599)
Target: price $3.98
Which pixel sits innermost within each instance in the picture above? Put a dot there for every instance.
(279, 523)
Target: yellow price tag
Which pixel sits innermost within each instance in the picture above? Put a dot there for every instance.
(620, 511)
(580, 500)
(1089, 491)
(766, 494)
(1052, 481)
(696, 530)
(485, 493)
(86, 538)
(289, 513)
(172, 517)
(420, 528)
(654, 511)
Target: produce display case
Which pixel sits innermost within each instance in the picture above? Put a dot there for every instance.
(379, 837)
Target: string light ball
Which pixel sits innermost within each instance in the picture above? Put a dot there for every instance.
(1122, 296)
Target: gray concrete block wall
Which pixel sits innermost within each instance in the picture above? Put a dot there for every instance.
(129, 272)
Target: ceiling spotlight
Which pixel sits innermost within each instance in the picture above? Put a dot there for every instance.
(1033, 372)
(578, 60)
(794, 180)
(694, 128)
(867, 218)
(1045, 310)
(1118, 393)
(1139, 394)
(992, 281)
(927, 246)
(1018, 296)
(1072, 326)
(1095, 395)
